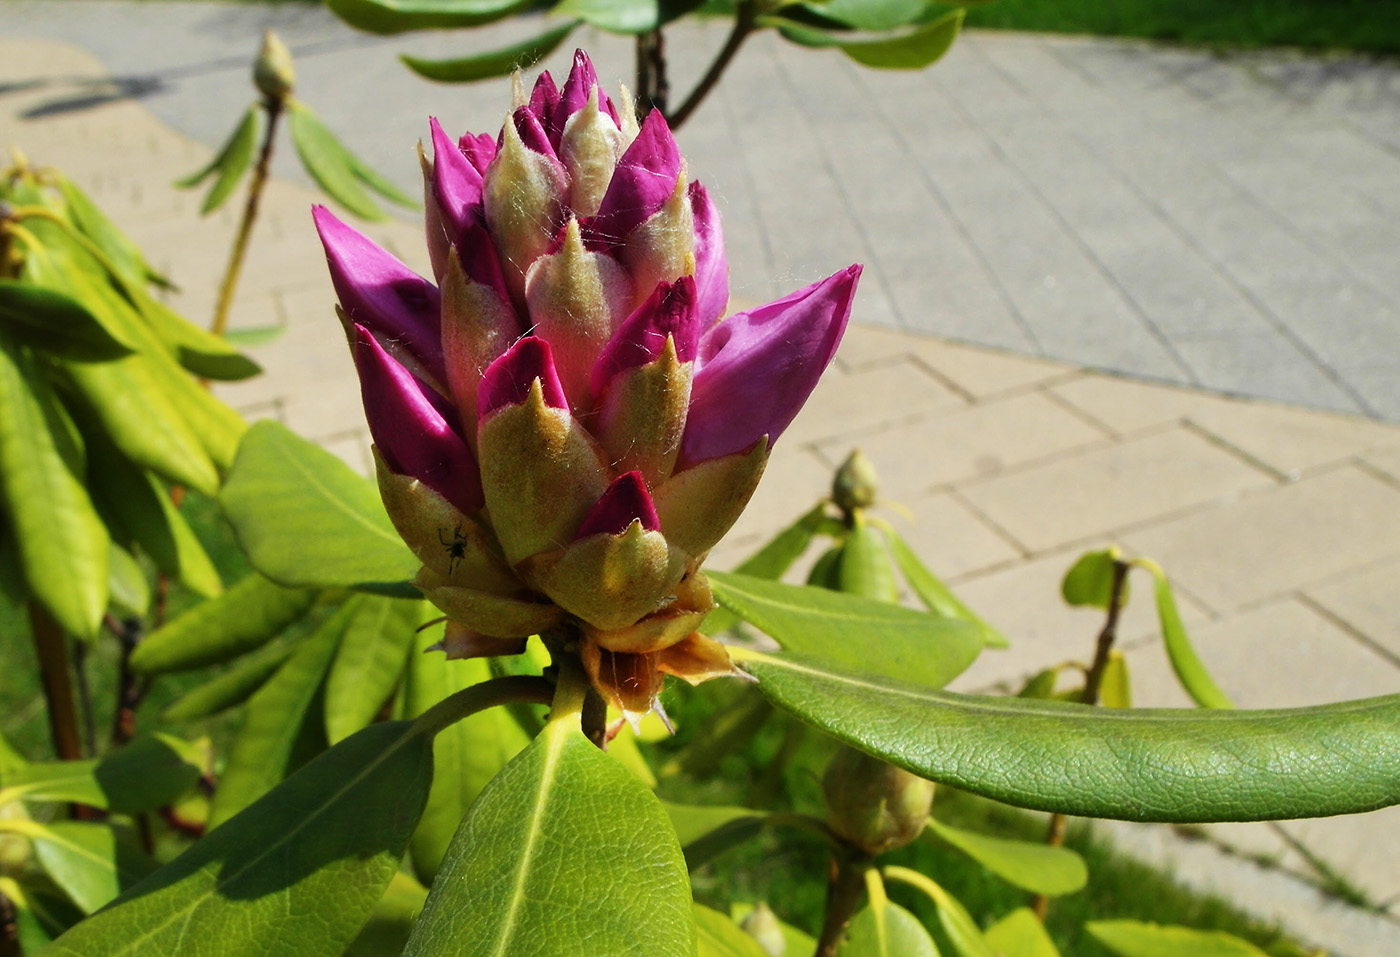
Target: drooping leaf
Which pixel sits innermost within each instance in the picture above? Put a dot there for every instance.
(230, 688)
(230, 163)
(826, 570)
(852, 631)
(1089, 581)
(718, 936)
(1038, 868)
(55, 323)
(1130, 938)
(119, 248)
(1195, 679)
(1134, 764)
(962, 931)
(399, 16)
(294, 875)
(914, 50)
(248, 615)
(91, 862)
(864, 568)
(127, 588)
(889, 931)
(328, 162)
(936, 596)
(873, 15)
(148, 772)
(305, 519)
(564, 853)
(369, 662)
(1020, 934)
(197, 350)
(502, 62)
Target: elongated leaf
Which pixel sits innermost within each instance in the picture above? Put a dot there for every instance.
(773, 560)
(1089, 581)
(1038, 868)
(328, 162)
(63, 545)
(566, 854)
(127, 588)
(369, 662)
(230, 163)
(502, 62)
(391, 922)
(1020, 934)
(148, 772)
(914, 50)
(1140, 765)
(615, 16)
(718, 936)
(890, 931)
(1130, 938)
(936, 596)
(265, 750)
(231, 688)
(852, 631)
(305, 519)
(198, 351)
(399, 16)
(91, 862)
(250, 336)
(875, 15)
(294, 875)
(864, 567)
(119, 249)
(245, 617)
(1194, 678)
(55, 323)
(962, 930)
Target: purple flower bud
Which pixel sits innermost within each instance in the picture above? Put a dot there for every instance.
(668, 311)
(508, 380)
(626, 501)
(645, 178)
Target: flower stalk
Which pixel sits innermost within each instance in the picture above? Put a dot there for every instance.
(239, 251)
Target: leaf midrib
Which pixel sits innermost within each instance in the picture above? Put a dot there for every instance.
(556, 736)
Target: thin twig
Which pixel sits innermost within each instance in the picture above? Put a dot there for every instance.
(50, 645)
(273, 108)
(744, 17)
(843, 896)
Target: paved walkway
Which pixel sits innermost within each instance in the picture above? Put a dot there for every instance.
(1203, 243)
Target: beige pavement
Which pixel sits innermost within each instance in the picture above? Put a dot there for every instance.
(1280, 527)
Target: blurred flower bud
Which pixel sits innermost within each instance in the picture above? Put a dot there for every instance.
(762, 925)
(873, 805)
(273, 74)
(854, 485)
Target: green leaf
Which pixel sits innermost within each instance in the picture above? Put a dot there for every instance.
(55, 323)
(502, 62)
(936, 596)
(91, 862)
(962, 930)
(706, 832)
(1115, 688)
(400, 16)
(1192, 674)
(305, 519)
(864, 568)
(251, 336)
(564, 853)
(265, 750)
(1130, 938)
(1020, 934)
(231, 162)
(369, 662)
(1038, 868)
(41, 914)
(888, 932)
(294, 875)
(1142, 765)
(197, 350)
(63, 545)
(1089, 581)
(230, 688)
(391, 922)
(147, 773)
(127, 588)
(625, 16)
(774, 559)
(852, 631)
(245, 617)
(914, 50)
(119, 249)
(329, 162)
(873, 15)
(718, 936)
(826, 570)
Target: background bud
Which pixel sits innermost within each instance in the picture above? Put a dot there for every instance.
(874, 805)
(273, 74)
(854, 485)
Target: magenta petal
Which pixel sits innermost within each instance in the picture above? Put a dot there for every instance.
(544, 98)
(409, 429)
(507, 381)
(711, 265)
(480, 261)
(478, 148)
(668, 311)
(625, 502)
(382, 294)
(456, 182)
(532, 132)
(645, 177)
(574, 97)
(757, 368)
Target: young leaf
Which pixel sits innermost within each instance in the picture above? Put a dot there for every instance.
(502, 62)
(889, 931)
(1089, 581)
(91, 862)
(1141, 765)
(231, 162)
(936, 596)
(230, 688)
(55, 323)
(564, 853)
(1020, 934)
(958, 924)
(245, 617)
(150, 771)
(865, 567)
(1130, 938)
(1037, 868)
(852, 631)
(295, 874)
(1115, 690)
(718, 936)
(1192, 674)
(328, 162)
(305, 519)
(369, 662)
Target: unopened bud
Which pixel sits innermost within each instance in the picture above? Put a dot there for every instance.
(762, 925)
(273, 74)
(854, 485)
(874, 805)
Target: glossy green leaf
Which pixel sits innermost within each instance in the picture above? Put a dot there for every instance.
(119, 248)
(962, 931)
(265, 750)
(55, 323)
(91, 862)
(1089, 581)
(1115, 688)
(305, 519)
(328, 162)
(890, 931)
(245, 617)
(391, 922)
(1192, 674)
(914, 50)
(399, 16)
(1136, 764)
(874, 15)
(566, 854)
(127, 588)
(197, 350)
(936, 596)
(369, 662)
(852, 631)
(294, 875)
(718, 936)
(1130, 938)
(864, 568)
(1020, 934)
(63, 545)
(1038, 868)
(145, 774)
(502, 62)
(230, 163)
(232, 687)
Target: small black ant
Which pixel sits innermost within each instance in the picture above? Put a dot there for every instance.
(457, 548)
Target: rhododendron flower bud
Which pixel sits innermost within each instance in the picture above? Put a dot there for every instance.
(564, 421)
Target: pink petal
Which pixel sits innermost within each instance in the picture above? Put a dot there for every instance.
(507, 380)
(645, 178)
(379, 292)
(478, 148)
(574, 97)
(625, 502)
(410, 431)
(480, 261)
(544, 101)
(757, 368)
(668, 311)
(532, 132)
(456, 182)
(711, 265)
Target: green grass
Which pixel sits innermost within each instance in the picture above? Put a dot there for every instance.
(1371, 26)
